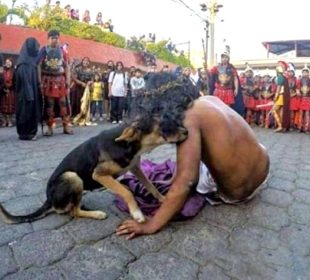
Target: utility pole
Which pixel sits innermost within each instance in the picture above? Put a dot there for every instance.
(213, 8)
(206, 43)
(212, 20)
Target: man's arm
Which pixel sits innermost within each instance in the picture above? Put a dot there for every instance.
(188, 160)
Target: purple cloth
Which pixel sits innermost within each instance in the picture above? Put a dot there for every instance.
(159, 174)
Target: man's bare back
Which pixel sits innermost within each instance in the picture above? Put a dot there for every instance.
(228, 147)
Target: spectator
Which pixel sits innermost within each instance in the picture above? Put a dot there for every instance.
(108, 25)
(203, 83)
(86, 17)
(117, 92)
(127, 105)
(77, 14)
(97, 98)
(137, 85)
(82, 75)
(151, 71)
(187, 74)
(68, 11)
(73, 14)
(99, 19)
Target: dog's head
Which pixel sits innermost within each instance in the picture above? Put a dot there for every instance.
(155, 133)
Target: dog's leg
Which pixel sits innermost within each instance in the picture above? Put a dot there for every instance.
(78, 212)
(68, 194)
(146, 182)
(116, 187)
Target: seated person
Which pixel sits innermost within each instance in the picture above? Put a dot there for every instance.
(217, 136)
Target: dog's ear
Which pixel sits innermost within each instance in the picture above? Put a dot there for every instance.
(129, 134)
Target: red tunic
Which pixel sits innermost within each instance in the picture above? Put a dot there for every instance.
(7, 100)
(54, 84)
(294, 100)
(225, 91)
(304, 86)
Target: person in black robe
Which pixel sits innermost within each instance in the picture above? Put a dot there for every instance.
(28, 112)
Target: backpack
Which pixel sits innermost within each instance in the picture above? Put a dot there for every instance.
(114, 73)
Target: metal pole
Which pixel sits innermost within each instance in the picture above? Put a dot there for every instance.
(212, 39)
(206, 47)
(189, 50)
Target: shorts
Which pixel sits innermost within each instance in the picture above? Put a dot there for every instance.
(207, 186)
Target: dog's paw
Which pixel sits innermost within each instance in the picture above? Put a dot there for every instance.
(138, 216)
(100, 215)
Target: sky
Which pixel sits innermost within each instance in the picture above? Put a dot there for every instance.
(242, 24)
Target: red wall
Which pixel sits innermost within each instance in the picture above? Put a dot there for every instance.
(12, 38)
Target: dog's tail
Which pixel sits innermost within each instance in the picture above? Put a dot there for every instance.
(11, 219)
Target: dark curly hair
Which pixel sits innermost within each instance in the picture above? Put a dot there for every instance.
(166, 97)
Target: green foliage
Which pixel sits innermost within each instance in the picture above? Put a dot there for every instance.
(3, 12)
(46, 18)
(160, 51)
(135, 45)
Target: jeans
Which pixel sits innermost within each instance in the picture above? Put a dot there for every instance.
(96, 105)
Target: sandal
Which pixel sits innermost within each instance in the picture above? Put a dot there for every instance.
(49, 132)
(68, 131)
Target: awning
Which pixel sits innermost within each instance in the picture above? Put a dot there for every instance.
(302, 47)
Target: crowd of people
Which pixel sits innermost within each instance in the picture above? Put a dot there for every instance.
(281, 102)
(74, 14)
(84, 94)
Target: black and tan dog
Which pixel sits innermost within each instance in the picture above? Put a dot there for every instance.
(98, 162)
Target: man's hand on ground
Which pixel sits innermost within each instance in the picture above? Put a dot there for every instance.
(132, 228)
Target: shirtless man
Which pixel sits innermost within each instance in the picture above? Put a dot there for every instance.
(223, 141)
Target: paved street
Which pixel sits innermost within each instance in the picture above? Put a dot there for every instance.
(267, 238)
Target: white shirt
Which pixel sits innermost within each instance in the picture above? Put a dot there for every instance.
(118, 87)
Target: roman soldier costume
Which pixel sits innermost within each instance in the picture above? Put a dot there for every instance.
(53, 63)
(250, 95)
(294, 98)
(265, 101)
(224, 79)
(303, 89)
(281, 106)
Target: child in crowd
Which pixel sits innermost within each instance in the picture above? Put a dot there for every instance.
(97, 98)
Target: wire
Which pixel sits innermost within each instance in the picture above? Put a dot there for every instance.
(189, 8)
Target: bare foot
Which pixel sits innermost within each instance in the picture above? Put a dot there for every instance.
(279, 129)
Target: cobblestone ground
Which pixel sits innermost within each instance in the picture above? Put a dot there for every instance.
(267, 238)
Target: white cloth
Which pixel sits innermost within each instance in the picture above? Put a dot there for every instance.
(206, 183)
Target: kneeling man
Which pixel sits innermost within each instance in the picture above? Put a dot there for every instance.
(219, 138)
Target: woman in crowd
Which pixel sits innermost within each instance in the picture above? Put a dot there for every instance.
(82, 74)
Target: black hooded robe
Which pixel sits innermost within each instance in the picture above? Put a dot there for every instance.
(28, 109)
